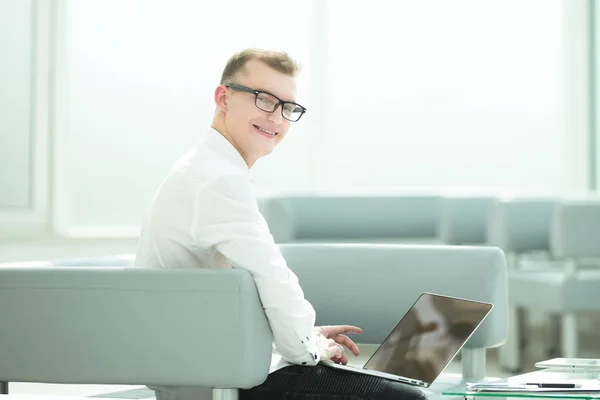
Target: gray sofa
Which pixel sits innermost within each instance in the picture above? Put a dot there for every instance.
(463, 220)
(352, 218)
(101, 321)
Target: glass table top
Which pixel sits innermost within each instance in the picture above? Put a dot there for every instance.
(589, 380)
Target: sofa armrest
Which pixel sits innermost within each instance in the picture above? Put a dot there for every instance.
(117, 325)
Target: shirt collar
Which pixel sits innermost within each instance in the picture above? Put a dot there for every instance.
(216, 141)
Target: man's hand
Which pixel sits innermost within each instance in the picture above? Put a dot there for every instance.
(337, 339)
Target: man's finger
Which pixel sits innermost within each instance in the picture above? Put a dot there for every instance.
(344, 359)
(339, 329)
(349, 343)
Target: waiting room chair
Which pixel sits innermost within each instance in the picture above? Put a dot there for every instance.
(103, 321)
(321, 218)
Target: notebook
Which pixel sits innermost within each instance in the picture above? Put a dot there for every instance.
(425, 340)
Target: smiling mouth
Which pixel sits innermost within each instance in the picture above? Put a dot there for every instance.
(266, 131)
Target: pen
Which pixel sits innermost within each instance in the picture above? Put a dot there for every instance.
(555, 385)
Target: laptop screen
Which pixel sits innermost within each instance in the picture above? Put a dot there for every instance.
(428, 337)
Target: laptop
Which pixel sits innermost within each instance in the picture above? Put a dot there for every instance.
(425, 340)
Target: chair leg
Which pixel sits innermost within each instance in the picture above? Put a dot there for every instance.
(554, 336)
(523, 328)
(510, 352)
(3, 387)
(569, 335)
(225, 394)
(568, 321)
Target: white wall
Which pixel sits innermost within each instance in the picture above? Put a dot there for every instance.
(442, 94)
(419, 94)
(404, 94)
(139, 93)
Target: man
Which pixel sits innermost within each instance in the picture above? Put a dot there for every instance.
(205, 215)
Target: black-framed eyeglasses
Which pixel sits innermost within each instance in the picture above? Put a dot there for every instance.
(268, 102)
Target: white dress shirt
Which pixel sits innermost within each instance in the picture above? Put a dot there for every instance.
(205, 215)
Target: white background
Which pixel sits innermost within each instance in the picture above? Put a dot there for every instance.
(400, 95)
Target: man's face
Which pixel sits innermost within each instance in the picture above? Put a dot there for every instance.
(255, 132)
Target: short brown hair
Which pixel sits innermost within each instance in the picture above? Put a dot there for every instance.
(278, 60)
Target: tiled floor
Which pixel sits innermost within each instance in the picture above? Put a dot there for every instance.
(95, 390)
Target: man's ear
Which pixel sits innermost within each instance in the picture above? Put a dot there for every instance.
(221, 97)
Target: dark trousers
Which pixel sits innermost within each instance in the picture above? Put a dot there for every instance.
(298, 382)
